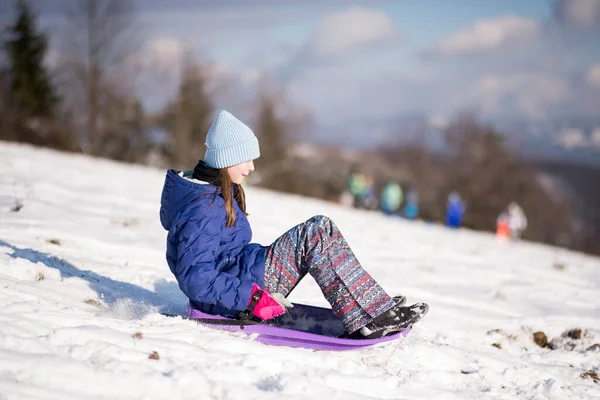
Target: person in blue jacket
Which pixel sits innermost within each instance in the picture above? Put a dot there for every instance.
(455, 209)
(411, 207)
(223, 273)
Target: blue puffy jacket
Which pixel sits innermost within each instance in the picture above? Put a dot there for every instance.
(215, 266)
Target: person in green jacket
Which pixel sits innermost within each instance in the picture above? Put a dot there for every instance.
(357, 185)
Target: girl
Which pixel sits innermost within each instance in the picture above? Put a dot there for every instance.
(222, 273)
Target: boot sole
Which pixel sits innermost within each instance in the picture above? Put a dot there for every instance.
(424, 309)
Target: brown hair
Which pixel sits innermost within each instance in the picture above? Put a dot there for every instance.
(224, 182)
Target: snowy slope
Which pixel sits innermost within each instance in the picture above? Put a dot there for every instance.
(83, 277)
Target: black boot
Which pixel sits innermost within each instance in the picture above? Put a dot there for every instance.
(399, 300)
(394, 320)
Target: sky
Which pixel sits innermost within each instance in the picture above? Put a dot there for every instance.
(370, 63)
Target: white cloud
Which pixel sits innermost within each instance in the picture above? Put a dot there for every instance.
(438, 120)
(530, 94)
(593, 75)
(595, 137)
(165, 57)
(216, 70)
(581, 14)
(52, 58)
(341, 32)
(161, 60)
(166, 51)
(571, 138)
(168, 54)
(489, 34)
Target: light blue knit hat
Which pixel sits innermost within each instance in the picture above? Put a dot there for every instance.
(229, 142)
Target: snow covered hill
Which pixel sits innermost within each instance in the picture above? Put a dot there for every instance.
(83, 279)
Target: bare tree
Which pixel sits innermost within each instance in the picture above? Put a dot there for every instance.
(124, 131)
(99, 39)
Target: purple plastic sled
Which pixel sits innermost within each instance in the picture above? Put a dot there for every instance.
(302, 326)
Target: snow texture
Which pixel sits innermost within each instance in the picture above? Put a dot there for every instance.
(83, 279)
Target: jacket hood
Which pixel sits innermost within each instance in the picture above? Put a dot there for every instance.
(178, 191)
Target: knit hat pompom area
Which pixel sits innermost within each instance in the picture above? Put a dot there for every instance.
(230, 142)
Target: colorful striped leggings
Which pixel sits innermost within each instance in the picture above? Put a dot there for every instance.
(317, 247)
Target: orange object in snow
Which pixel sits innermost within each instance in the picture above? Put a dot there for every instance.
(503, 230)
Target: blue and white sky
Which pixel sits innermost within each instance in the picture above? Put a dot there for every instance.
(370, 62)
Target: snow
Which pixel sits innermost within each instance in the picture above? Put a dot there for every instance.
(83, 279)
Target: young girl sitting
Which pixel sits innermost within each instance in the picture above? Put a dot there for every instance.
(222, 273)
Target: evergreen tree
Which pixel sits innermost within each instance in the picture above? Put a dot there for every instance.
(272, 133)
(30, 90)
(277, 125)
(188, 117)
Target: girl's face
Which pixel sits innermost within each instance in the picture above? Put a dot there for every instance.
(239, 172)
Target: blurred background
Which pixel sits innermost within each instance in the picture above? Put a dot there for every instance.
(477, 114)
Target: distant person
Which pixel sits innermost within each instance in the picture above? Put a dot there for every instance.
(455, 210)
(347, 199)
(222, 273)
(502, 226)
(517, 221)
(391, 198)
(369, 199)
(411, 207)
(356, 186)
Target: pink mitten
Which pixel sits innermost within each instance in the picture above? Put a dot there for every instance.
(266, 307)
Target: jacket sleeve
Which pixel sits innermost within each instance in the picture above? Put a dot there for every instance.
(199, 279)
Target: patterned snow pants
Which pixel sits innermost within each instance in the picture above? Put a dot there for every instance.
(317, 247)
